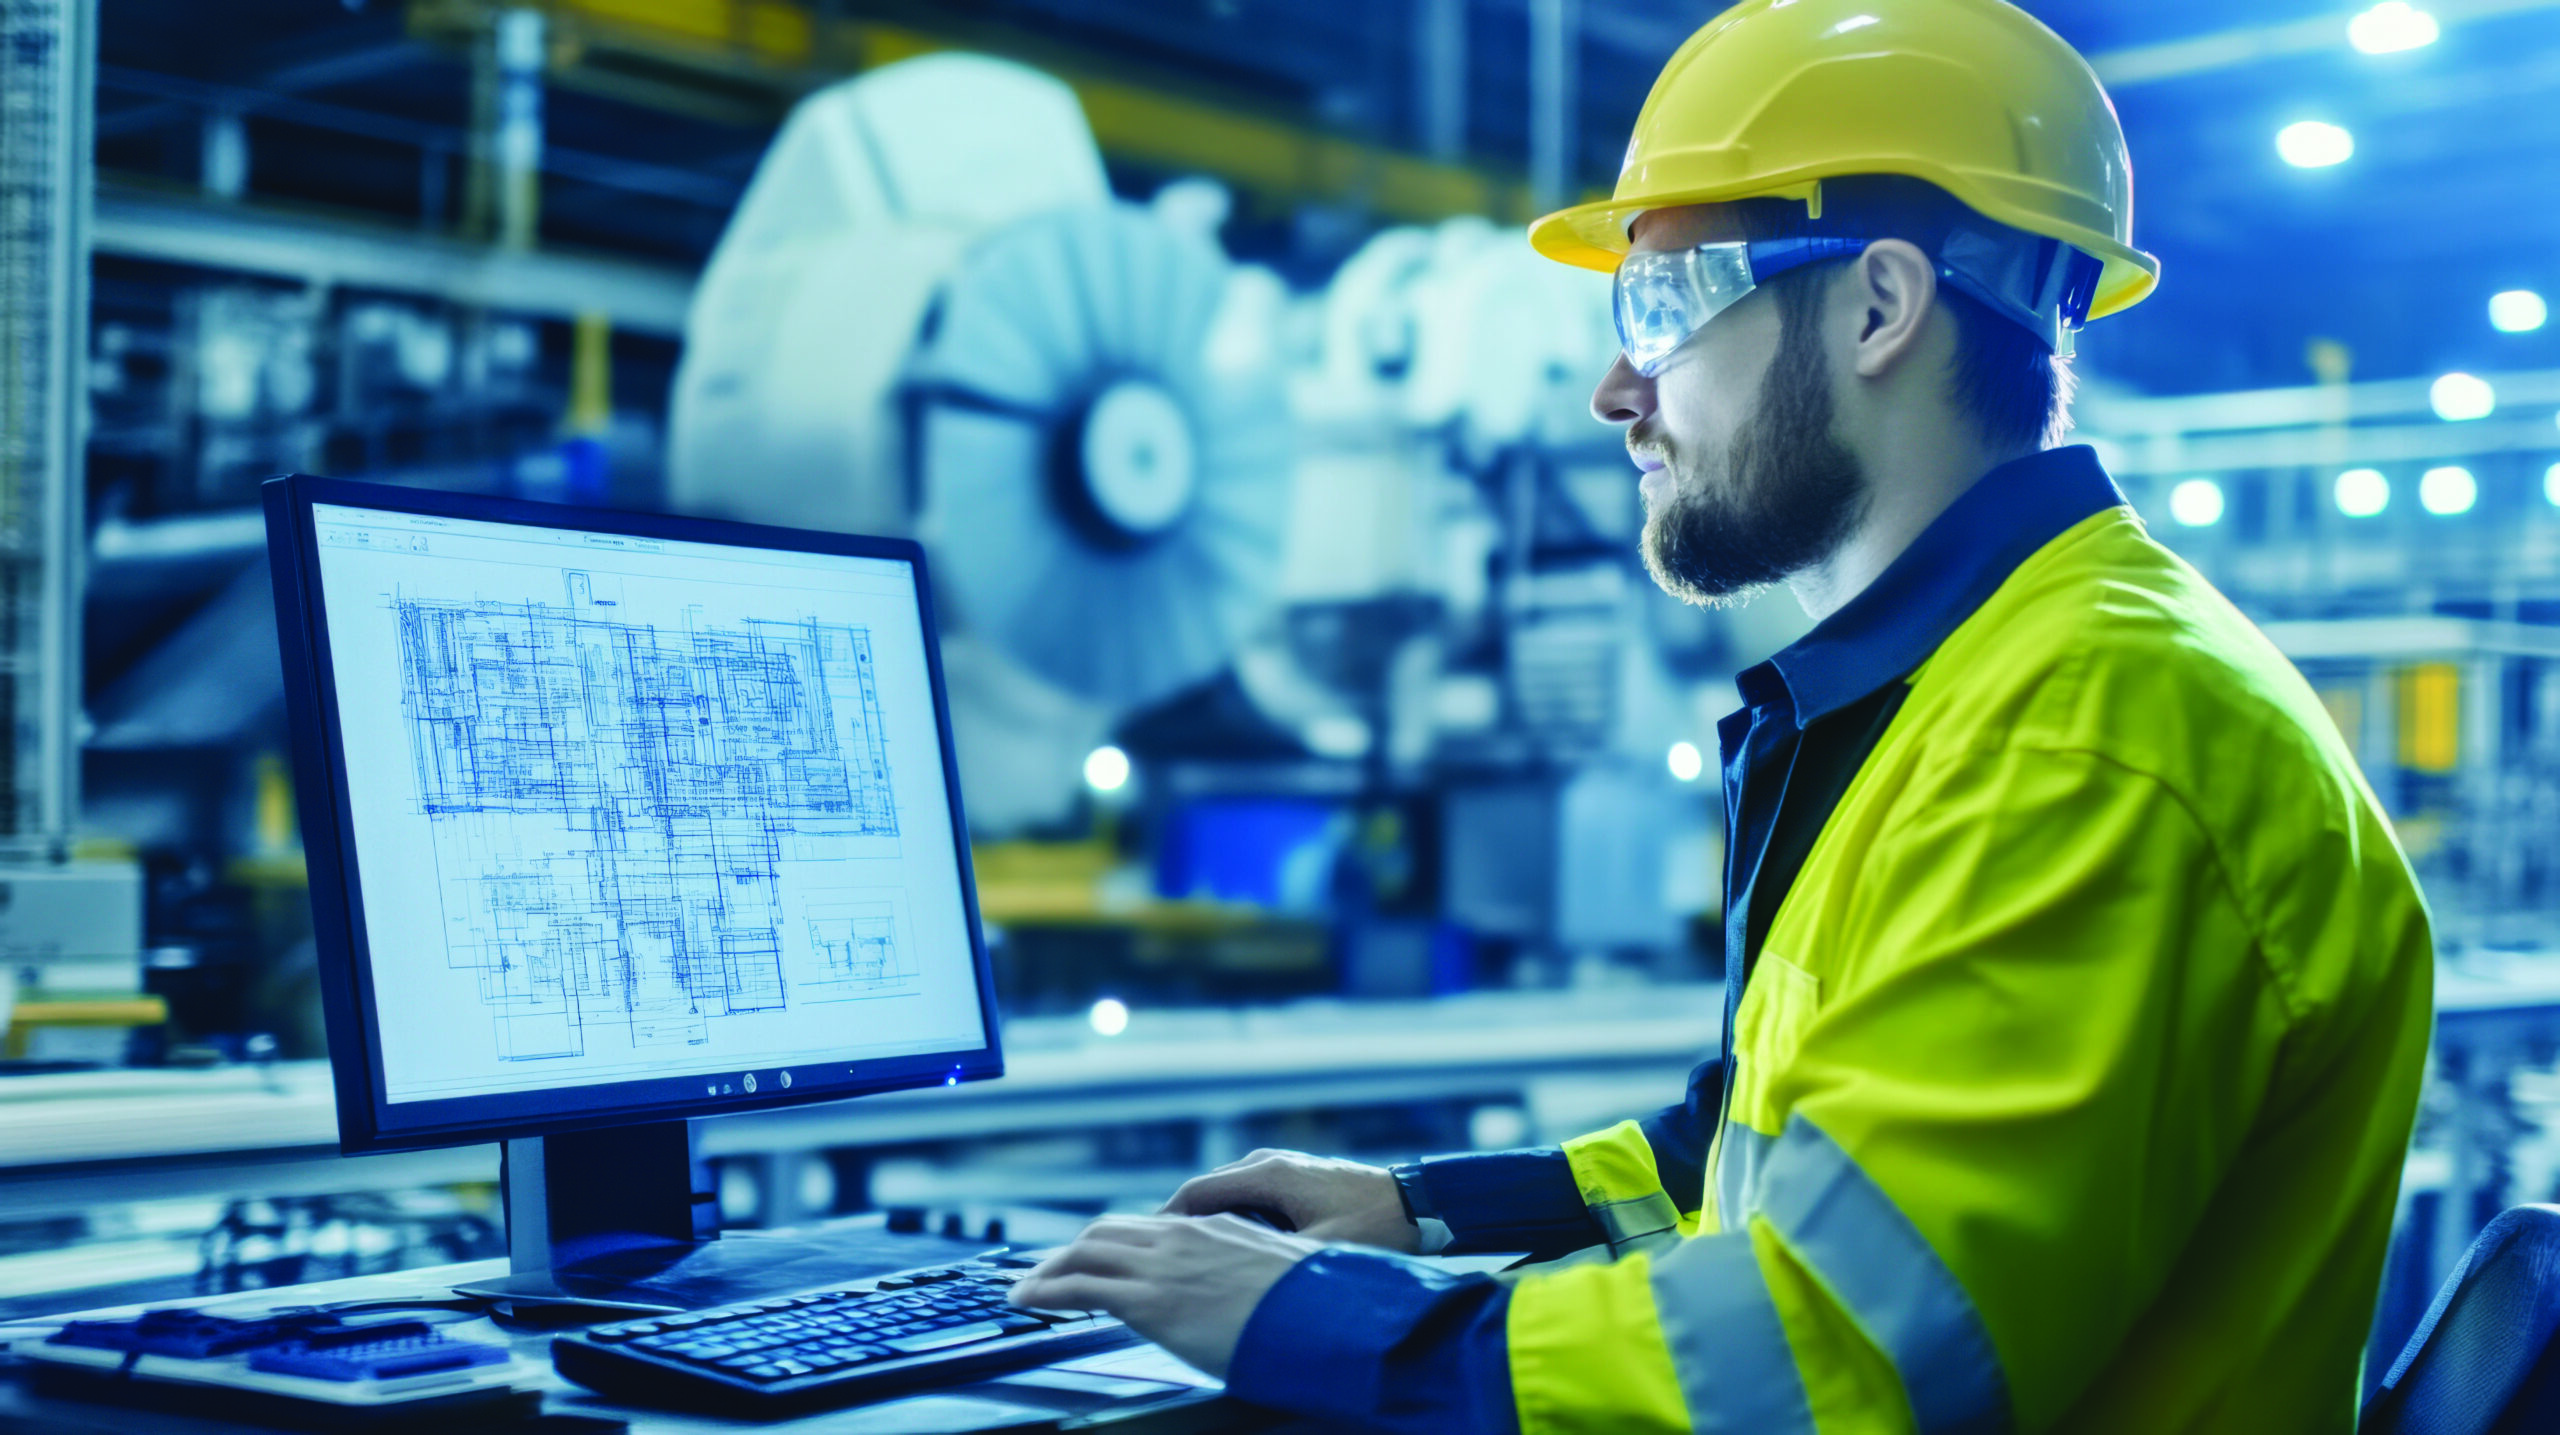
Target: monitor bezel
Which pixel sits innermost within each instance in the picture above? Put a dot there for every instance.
(367, 1120)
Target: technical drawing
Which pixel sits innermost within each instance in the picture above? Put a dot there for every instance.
(613, 804)
(858, 953)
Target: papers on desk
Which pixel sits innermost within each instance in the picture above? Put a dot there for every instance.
(1135, 1390)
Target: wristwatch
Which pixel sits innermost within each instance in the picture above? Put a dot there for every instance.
(1412, 1192)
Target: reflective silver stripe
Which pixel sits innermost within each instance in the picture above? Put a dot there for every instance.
(1844, 1226)
(1730, 1352)
(1738, 1166)
(1635, 1218)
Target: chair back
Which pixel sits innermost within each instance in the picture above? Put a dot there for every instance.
(2481, 1362)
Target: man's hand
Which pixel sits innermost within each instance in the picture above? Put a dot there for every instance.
(1329, 1200)
(1187, 1285)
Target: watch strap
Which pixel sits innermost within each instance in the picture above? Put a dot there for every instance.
(1413, 1192)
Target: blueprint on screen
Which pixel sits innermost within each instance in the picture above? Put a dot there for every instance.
(613, 805)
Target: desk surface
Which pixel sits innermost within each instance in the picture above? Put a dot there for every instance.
(962, 1408)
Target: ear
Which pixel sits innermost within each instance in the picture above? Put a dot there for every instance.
(1895, 289)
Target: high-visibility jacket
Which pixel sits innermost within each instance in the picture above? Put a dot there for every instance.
(2069, 1089)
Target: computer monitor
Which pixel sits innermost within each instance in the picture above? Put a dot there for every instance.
(613, 821)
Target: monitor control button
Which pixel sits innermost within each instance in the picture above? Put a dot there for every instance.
(750, 1080)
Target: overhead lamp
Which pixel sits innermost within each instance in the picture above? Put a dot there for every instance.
(2551, 484)
(1109, 1017)
(2517, 311)
(1106, 769)
(2363, 492)
(1686, 762)
(2462, 396)
(2448, 490)
(2314, 144)
(2392, 26)
(2197, 503)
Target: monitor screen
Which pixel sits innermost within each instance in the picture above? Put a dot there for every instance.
(635, 822)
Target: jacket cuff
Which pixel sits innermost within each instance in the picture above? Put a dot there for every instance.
(1511, 1201)
(1427, 1352)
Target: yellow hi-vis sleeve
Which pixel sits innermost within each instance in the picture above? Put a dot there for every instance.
(1615, 1172)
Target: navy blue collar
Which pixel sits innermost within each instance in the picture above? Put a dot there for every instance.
(1950, 570)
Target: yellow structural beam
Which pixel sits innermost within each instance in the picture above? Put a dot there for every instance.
(78, 1011)
(722, 58)
(2431, 717)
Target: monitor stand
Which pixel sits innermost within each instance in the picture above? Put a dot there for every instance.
(624, 1219)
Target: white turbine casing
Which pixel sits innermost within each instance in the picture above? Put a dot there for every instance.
(930, 316)
(785, 403)
(1507, 344)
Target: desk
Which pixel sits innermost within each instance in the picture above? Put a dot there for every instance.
(951, 1410)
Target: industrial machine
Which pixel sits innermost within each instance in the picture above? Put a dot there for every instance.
(930, 316)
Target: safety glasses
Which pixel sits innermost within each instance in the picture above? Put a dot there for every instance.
(1664, 297)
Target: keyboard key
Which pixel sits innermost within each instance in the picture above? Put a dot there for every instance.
(896, 1283)
(937, 1339)
(766, 1372)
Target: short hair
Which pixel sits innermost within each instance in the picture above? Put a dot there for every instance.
(2017, 391)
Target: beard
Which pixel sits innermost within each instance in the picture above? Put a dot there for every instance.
(1791, 493)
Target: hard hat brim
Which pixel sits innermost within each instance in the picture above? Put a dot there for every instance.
(1594, 235)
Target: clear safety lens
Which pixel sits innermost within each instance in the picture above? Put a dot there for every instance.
(1663, 297)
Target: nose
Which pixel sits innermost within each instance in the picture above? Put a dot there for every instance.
(1624, 396)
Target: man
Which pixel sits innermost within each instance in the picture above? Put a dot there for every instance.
(2077, 992)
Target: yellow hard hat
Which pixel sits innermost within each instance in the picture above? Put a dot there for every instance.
(1974, 96)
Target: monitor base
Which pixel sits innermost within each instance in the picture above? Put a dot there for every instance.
(625, 1219)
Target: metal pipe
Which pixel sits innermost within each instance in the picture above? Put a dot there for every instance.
(517, 37)
(1440, 76)
(223, 170)
(2227, 49)
(48, 65)
(1555, 28)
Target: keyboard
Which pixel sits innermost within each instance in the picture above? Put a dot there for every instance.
(397, 1350)
(862, 1341)
(297, 1367)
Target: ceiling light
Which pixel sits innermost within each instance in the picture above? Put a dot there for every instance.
(2517, 311)
(2363, 492)
(2448, 490)
(2312, 144)
(2462, 396)
(2551, 484)
(1686, 762)
(2197, 503)
(1106, 769)
(2390, 26)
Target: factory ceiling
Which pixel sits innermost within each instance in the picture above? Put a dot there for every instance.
(1331, 117)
